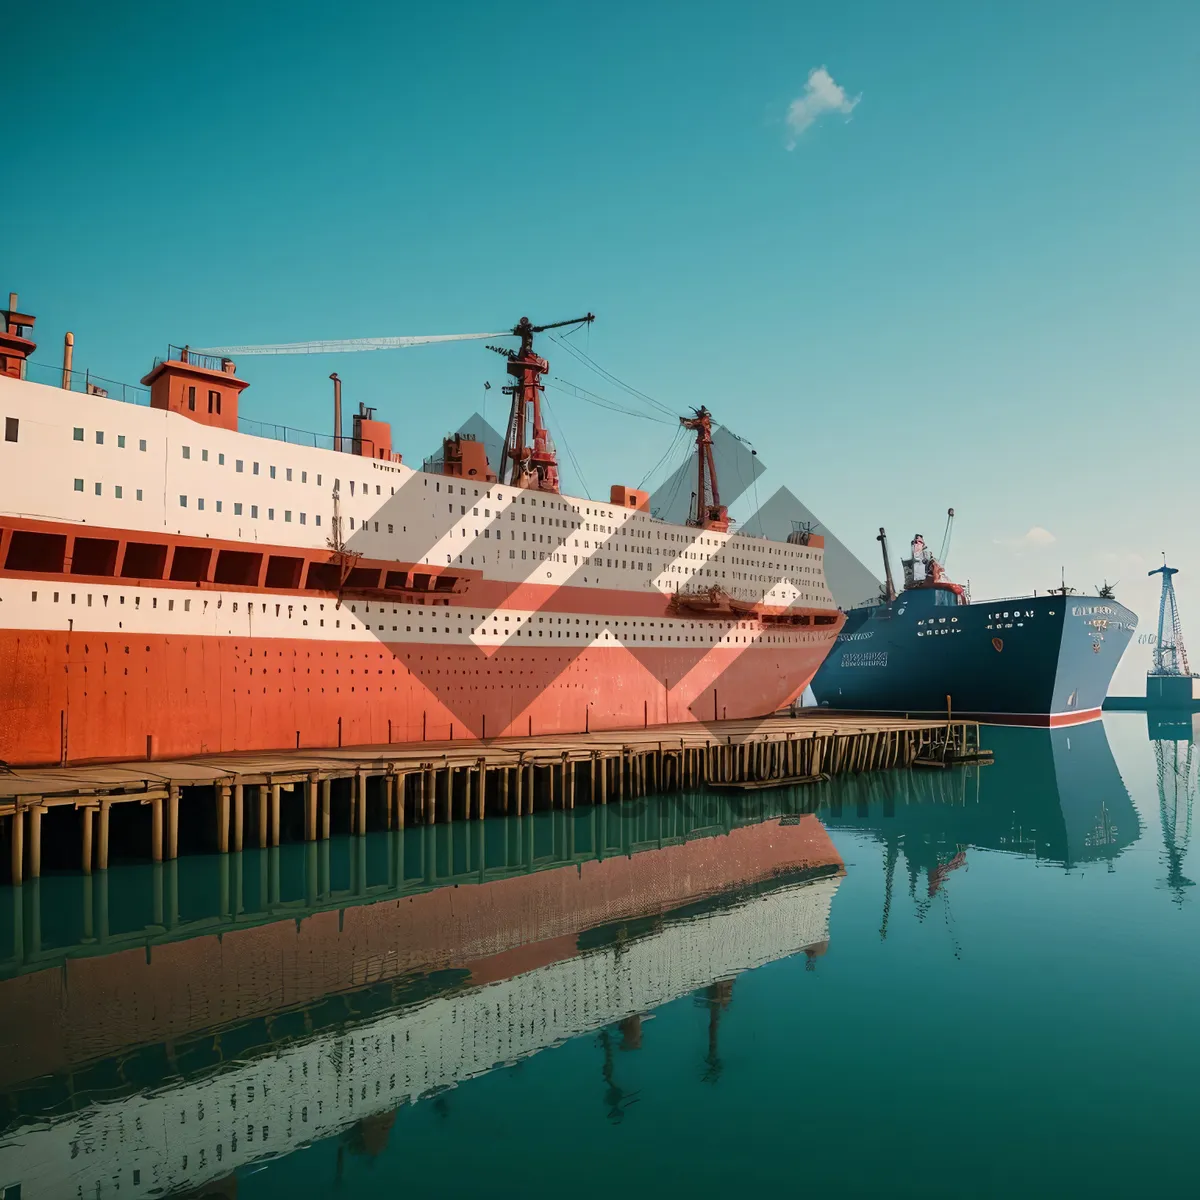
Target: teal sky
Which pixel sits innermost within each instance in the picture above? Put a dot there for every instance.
(976, 285)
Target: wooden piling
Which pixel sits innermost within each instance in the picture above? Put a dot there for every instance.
(172, 847)
(223, 817)
(86, 856)
(276, 789)
(262, 816)
(156, 829)
(310, 809)
(102, 839)
(35, 841)
(239, 815)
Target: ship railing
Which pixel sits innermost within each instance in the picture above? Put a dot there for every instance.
(289, 434)
(207, 362)
(87, 382)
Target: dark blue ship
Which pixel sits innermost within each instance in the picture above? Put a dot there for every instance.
(1028, 660)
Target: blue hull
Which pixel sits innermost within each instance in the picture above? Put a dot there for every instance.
(1039, 660)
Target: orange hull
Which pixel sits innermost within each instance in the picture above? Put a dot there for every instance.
(88, 696)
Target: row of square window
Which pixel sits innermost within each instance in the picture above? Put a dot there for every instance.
(237, 510)
(119, 493)
(239, 466)
(118, 490)
(100, 440)
(732, 542)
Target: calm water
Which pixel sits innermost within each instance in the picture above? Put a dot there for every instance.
(968, 983)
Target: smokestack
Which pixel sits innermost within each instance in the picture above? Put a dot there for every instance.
(337, 411)
(68, 355)
(12, 301)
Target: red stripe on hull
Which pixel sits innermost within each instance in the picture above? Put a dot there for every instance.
(477, 590)
(90, 696)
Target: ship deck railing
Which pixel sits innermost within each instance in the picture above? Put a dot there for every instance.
(87, 382)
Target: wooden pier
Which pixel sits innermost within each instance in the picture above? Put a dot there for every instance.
(263, 798)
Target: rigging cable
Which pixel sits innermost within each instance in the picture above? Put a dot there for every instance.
(680, 474)
(561, 437)
(588, 361)
(753, 477)
(679, 433)
(582, 393)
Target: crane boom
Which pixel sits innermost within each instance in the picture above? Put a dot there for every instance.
(945, 554)
(347, 345)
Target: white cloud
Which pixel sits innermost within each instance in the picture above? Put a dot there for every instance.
(1034, 539)
(821, 95)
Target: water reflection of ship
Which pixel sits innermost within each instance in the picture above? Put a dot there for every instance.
(1055, 795)
(1172, 734)
(620, 936)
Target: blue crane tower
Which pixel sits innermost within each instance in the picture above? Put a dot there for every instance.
(1169, 680)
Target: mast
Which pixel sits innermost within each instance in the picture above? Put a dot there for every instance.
(530, 463)
(1170, 654)
(890, 587)
(709, 512)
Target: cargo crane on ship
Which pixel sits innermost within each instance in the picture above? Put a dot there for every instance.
(529, 458)
(709, 512)
(531, 463)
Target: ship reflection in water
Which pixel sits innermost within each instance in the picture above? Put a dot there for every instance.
(701, 965)
(182, 1061)
(1052, 794)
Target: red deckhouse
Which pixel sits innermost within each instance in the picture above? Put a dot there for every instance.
(169, 585)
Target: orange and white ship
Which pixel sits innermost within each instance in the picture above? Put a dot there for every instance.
(170, 585)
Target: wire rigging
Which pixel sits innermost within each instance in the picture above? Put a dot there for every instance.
(560, 436)
(588, 361)
(680, 475)
(582, 393)
(670, 450)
